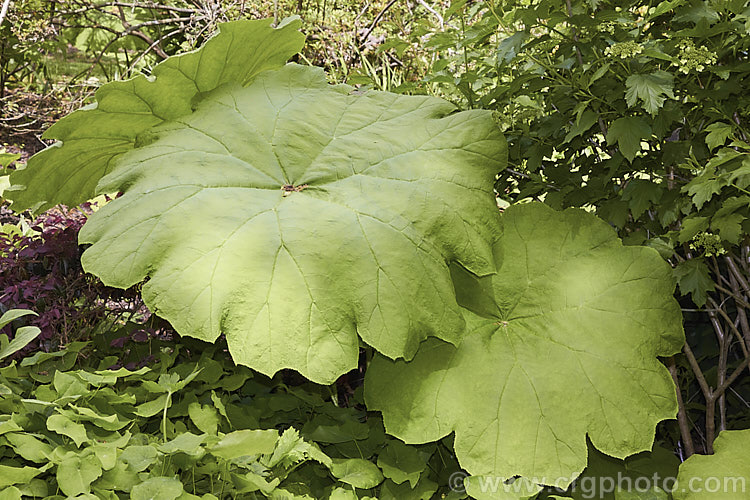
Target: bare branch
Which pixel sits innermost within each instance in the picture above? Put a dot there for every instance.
(375, 22)
(433, 12)
(707, 393)
(682, 419)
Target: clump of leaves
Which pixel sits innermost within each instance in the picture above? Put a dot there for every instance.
(191, 424)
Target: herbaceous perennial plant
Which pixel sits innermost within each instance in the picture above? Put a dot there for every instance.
(304, 220)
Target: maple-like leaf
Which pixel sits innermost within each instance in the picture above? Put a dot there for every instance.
(718, 133)
(694, 279)
(640, 194)
(651, 89)
(628, 132)
(562, 344)
(292, 215)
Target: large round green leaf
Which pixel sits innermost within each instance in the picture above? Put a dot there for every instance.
(92, 138)
(291, 215)
(724, 475)
(563, 343)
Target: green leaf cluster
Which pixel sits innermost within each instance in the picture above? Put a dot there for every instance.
(191, 425)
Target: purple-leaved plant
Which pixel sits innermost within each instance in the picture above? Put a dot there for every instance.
(43, 272)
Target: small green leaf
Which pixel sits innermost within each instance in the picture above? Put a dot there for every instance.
(151, 408)
(172, 382)
(652, 89)
(17, 475)
(640, 195)
(325, 429)
(75, 474)
(664, 7)
(291, 450)
(343, 494)
(186, 442)
(205, 417)
(694, 278)
(157, 488)
(509, 47)
(35, 488)
(69, 386)
(65, 426)
(718, 133)
(727, 221)
(11, 493)
(29, 447)
(138, 457)
(9, 423)
(21, 339)
(120, 478)
(704, 187)
(425, 490)
(614, 211)
(400, 463)
(109, 377)
(628, 132)
(245, 442)
(665, 249)
(219, 404)
(251, 482)
(599, 73)
(106, 453)
(7, 158)
(690, 227)
(585, 122)
(14, 314)
(729, 226)
(106, 422)
(358, 472)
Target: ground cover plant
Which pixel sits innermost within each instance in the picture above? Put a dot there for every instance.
(322, 229)
(78, 423)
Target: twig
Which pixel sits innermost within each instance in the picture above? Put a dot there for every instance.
(527, 176)
(736, 373)
(708, 395)
(433, 12)
(361, 12)
(150, 47)
(697, 370)
(682, 419)
(374, 23)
